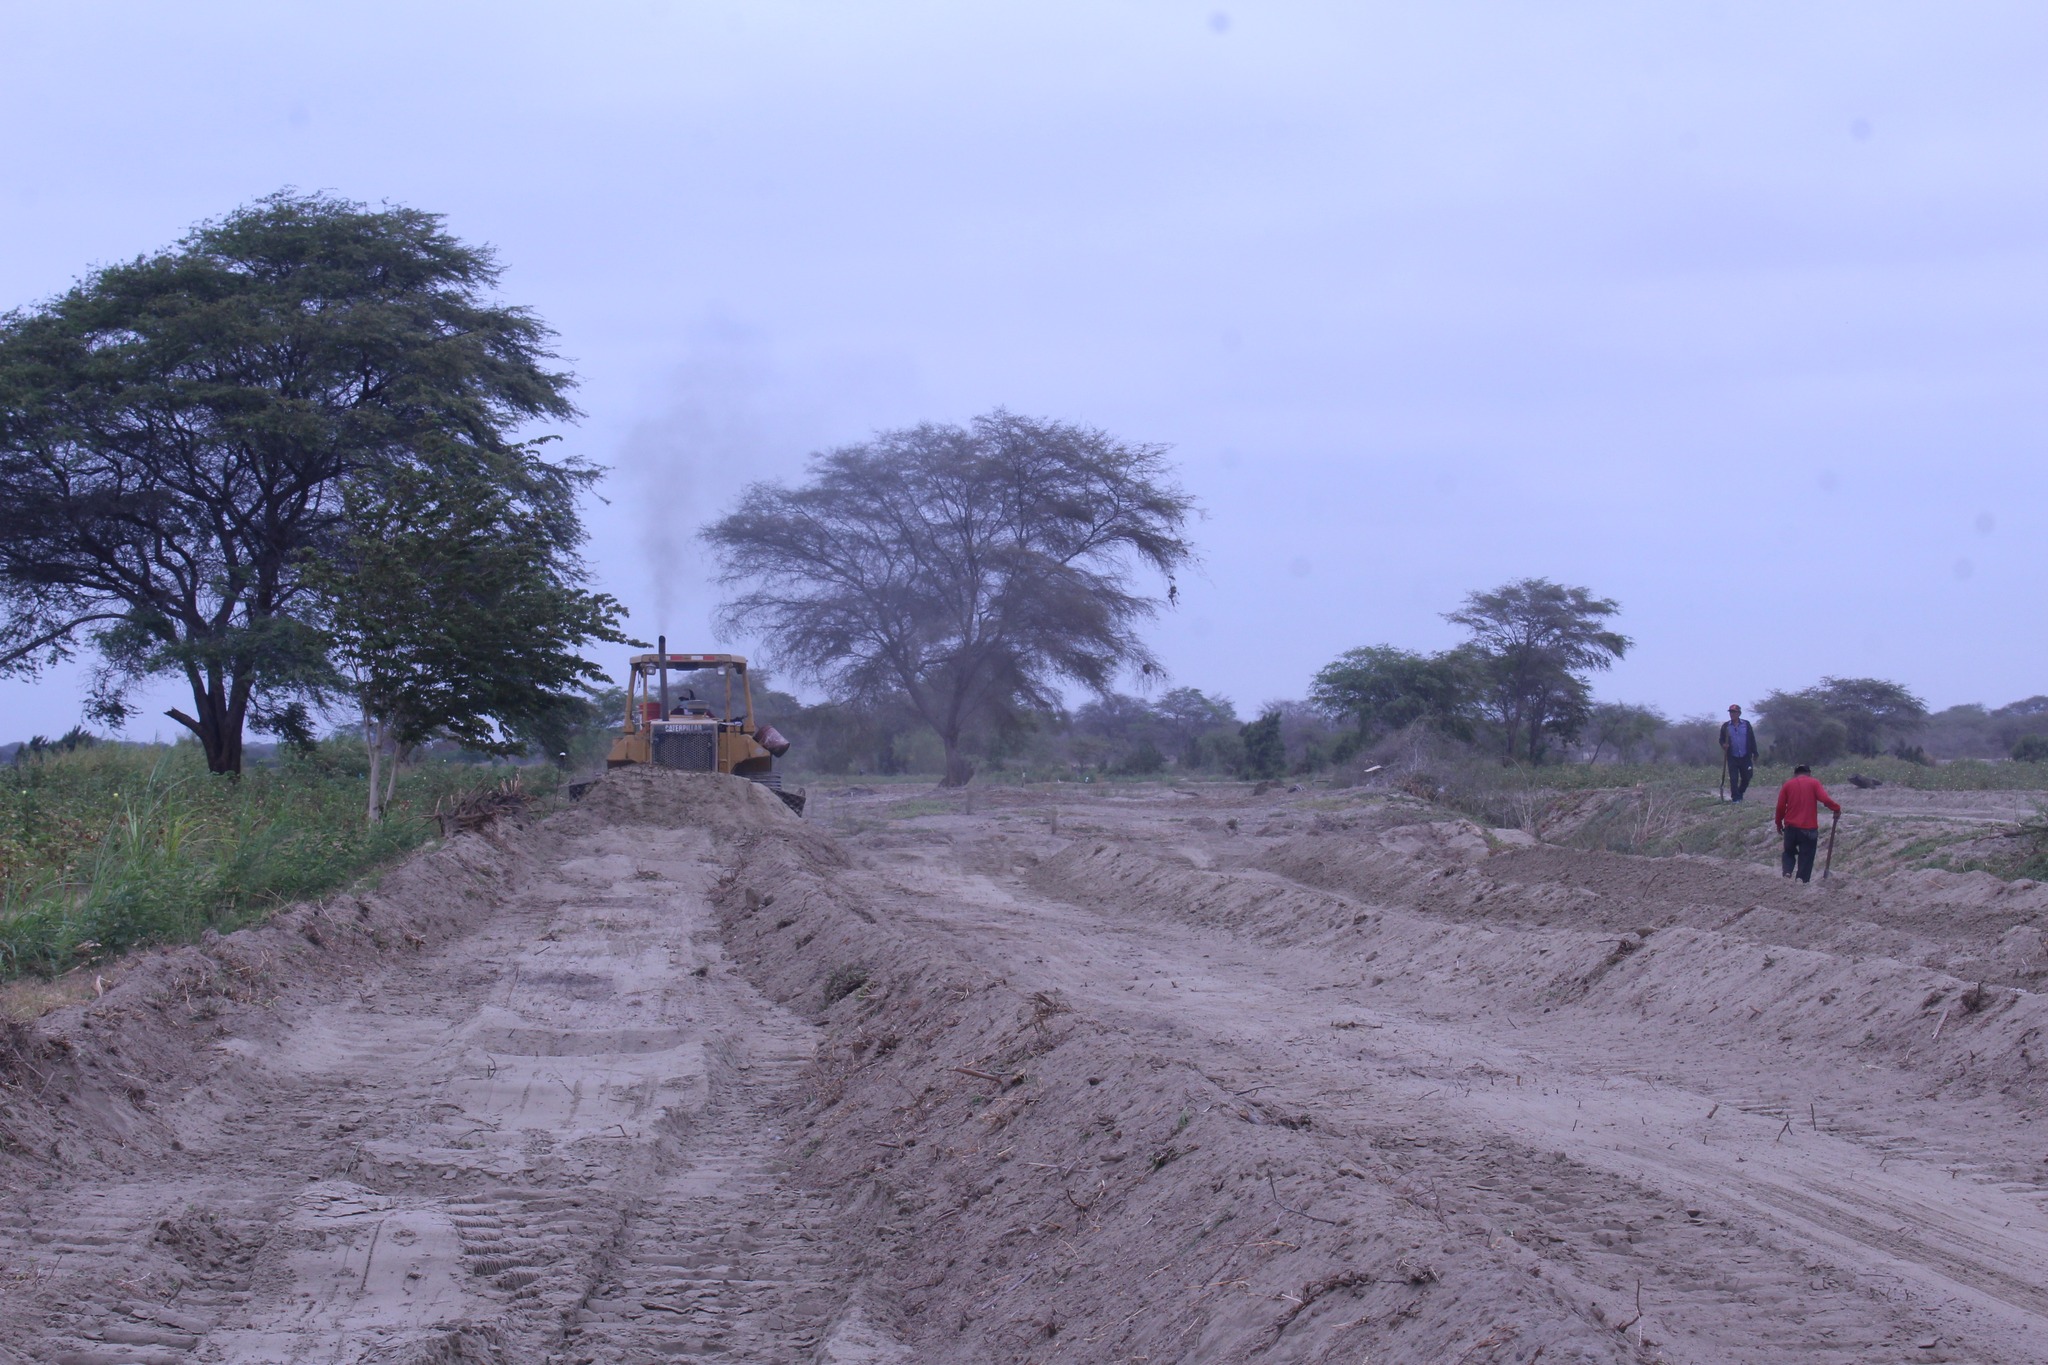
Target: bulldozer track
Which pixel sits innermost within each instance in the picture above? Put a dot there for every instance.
(557, 1131)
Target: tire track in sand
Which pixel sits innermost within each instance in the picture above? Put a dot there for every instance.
(504, 1150)
(1747, 1249)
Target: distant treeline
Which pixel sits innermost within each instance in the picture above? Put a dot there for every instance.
(1187, 731)
(1517, 690)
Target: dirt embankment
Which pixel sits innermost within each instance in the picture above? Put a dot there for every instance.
(1864, 964)
(513, 1106)
(1884, 828)
(83, 1090)
(1150, 1076)
(1035, 1181)
(1614, 1105)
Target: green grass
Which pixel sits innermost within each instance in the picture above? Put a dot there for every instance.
(2033, 859)
(1965, 774)
(912, 809)
(1660, 821)
(2026, 855)
(118, 846)
(1517, 796)
(1660, 810)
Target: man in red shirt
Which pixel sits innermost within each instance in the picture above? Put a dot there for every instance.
(1798, 819)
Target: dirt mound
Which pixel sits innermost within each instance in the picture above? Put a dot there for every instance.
(1438, 924)
(1037, 1182)
(1968, 924)
(83, 1087)
(661, 797)
(467, 1116)
(672, 1074)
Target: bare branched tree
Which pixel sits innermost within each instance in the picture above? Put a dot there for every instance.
(967, 569)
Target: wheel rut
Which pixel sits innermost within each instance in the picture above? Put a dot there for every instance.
(721, 1259)
(553, 1138)
(1644, 1193)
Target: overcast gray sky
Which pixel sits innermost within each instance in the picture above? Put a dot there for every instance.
(1737, 313)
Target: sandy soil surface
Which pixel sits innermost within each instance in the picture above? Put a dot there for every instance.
(1145, 1075)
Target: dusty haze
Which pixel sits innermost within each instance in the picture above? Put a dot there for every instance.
(1737, 317)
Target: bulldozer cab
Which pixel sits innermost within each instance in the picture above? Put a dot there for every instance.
(713, 688)
(695, 712)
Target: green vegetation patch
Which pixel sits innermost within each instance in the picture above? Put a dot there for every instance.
(119, 846)
(1963, 774)
(844, 981)
(913, 809)
(1661, 810)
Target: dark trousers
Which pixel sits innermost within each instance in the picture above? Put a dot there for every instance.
(1800, 846)
(1740, 770)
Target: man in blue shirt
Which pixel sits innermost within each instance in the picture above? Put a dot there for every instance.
(1738, 751)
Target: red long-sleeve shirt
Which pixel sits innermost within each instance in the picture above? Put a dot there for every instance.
(1799, 801)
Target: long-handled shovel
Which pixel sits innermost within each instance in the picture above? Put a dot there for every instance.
(1830, 860)
(1722, 793)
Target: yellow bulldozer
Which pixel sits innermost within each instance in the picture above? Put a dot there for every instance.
(695, 713)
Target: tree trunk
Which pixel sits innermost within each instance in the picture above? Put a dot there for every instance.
(959, 768)
(373, 740)
(947, 724)
(375, 808)
(218, 725)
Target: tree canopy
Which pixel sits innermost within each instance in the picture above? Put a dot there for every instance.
(1837, 716)
(967, 569)
(1265, 751)
(1538, 640)
(1519, 679)
(1134, 735)
(1380, 689)
(1187, 716)
(178, 434)
(1628, 728)
(456, 608)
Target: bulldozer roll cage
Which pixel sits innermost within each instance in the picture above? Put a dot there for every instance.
(695, 713)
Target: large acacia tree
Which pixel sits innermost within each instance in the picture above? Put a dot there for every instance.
(177, 433)
(1536, 641)
(968, 569)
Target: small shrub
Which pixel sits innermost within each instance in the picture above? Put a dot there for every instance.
(844, 981)
(76, 738)
(2033, 860)
(2031, 749)
(1265, 753)
(1145, 760)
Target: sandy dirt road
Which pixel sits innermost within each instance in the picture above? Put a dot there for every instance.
(1748, 1119)
(1151, 1076)
(548, 1137)
(1701, 1167)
